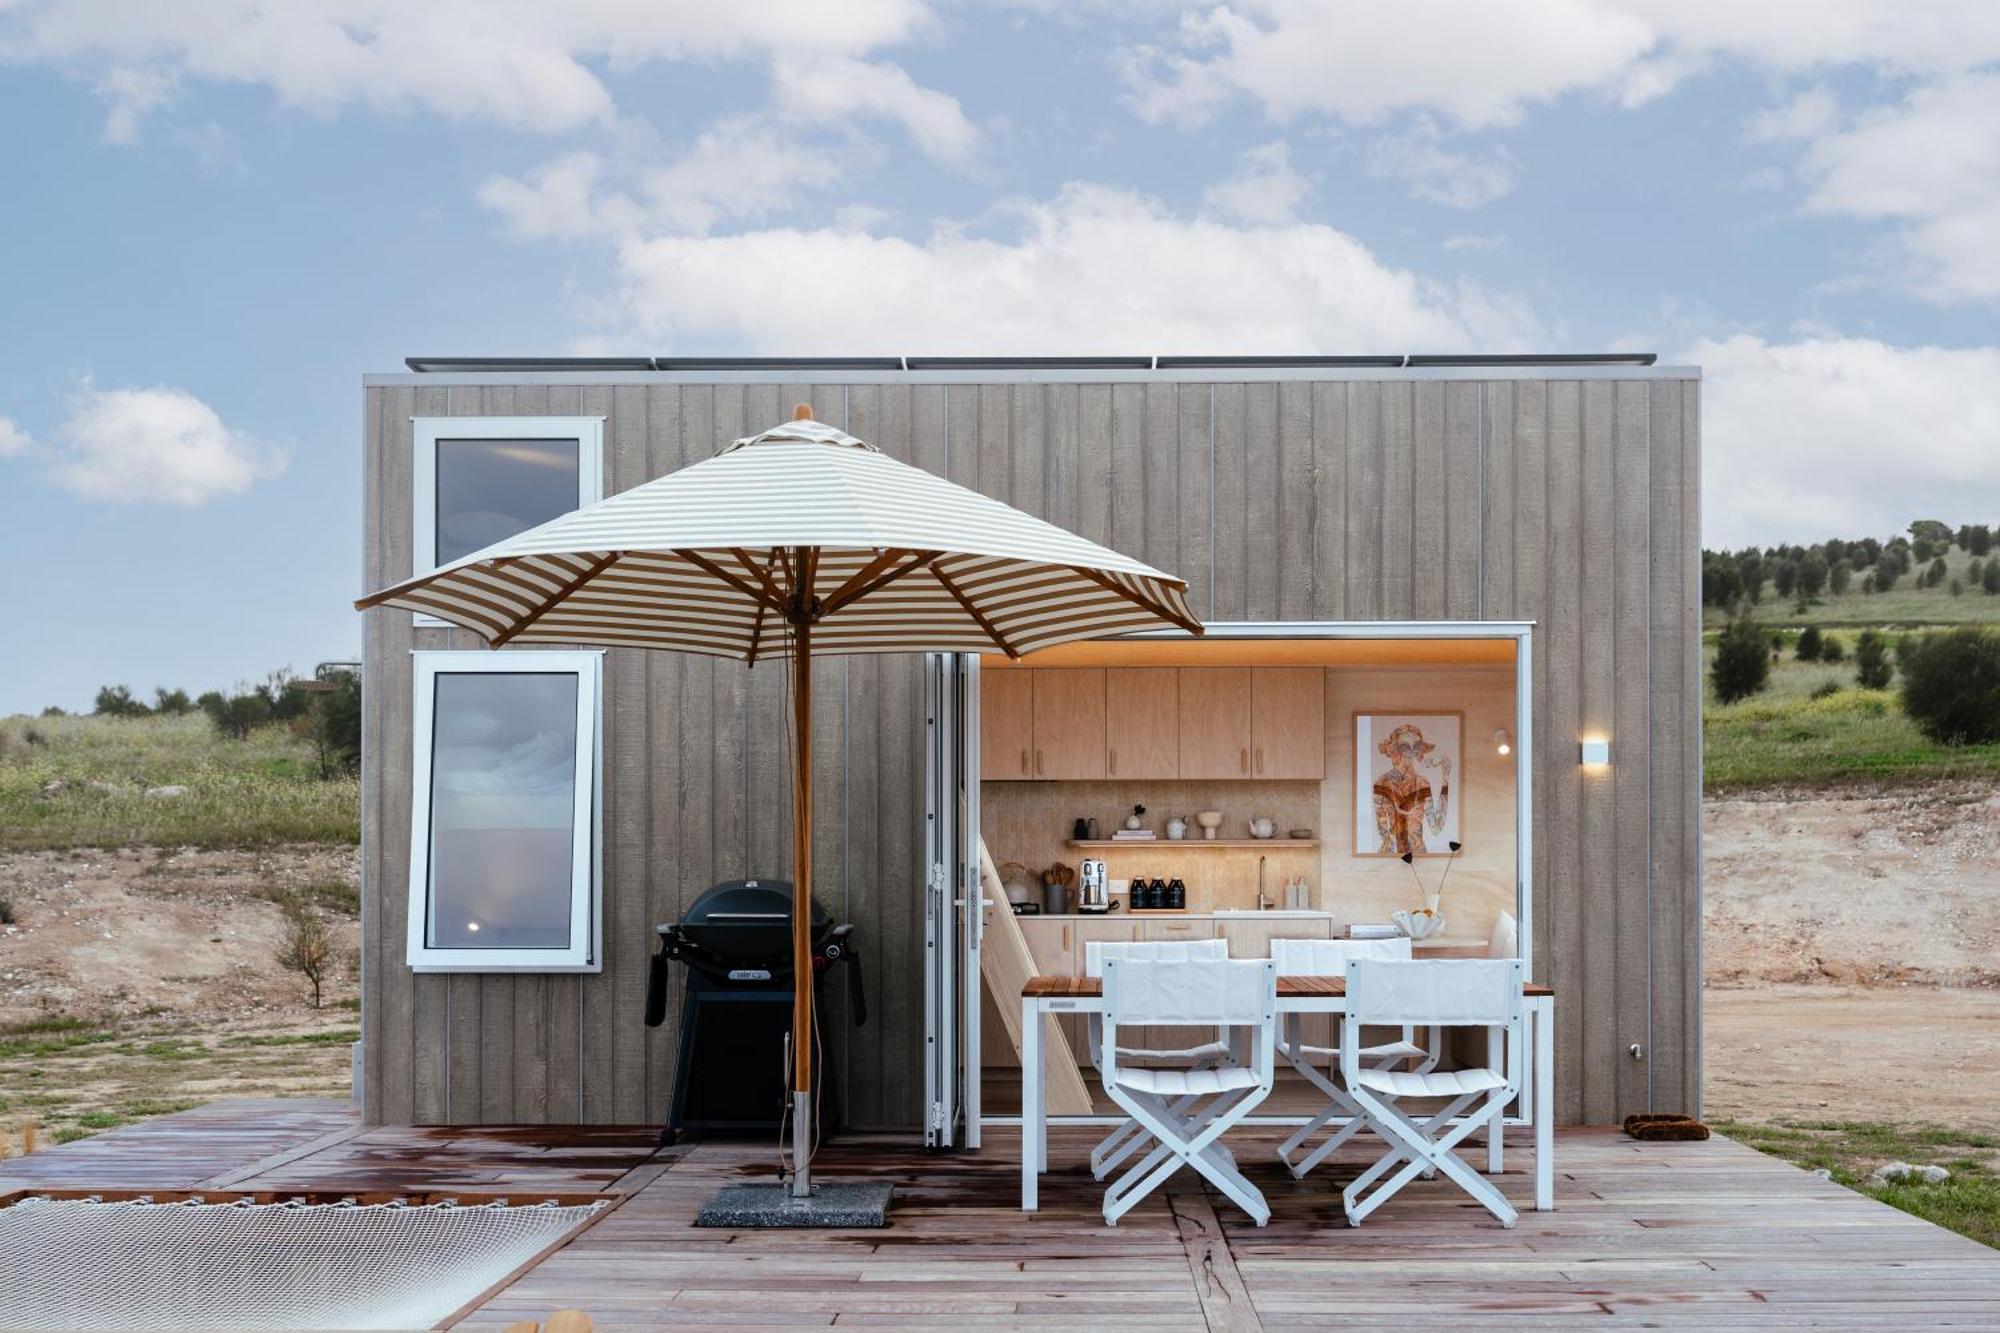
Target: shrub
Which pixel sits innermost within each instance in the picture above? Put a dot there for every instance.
(1808, 649)
(1990, 580)
(1936, 573)
(236, 715)
(55, 710)
(117, 701)
(332, 722)
(1922, 549)
(1812, 574)
(7, 916)
(1951, 686)
(1830, 650)
(1872, 669)
(1741, 667)
(1785, 577)
(1826, 689)
(1978, 539)
(1838, 575)
(307, 945)
(1957, 588)
(173, 703)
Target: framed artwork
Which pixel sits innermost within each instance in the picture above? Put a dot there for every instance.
(1408, 783)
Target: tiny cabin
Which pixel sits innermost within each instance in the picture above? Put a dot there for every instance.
(1452, 610)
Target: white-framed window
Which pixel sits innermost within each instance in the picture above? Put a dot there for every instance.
(479, 480)
(504, 838)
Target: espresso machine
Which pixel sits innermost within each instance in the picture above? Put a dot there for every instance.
(1093, 887)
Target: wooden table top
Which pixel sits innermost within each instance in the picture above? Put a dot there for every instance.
(1092, 987)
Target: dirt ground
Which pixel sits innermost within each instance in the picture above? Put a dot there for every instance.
(139, 981)
(1852, 953)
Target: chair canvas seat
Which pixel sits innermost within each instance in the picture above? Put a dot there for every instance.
(1213, 1050)
(1391, 1050)
(1448, 1083)
(1186, 1082)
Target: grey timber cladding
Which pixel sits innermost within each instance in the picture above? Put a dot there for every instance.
(1572, 502)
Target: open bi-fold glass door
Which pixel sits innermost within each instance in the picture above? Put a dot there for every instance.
(951, 901)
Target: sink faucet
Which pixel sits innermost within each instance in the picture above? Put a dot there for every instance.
(1261, 904)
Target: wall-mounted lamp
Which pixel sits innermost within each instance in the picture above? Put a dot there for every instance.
(1503, 742)
(1595, 752)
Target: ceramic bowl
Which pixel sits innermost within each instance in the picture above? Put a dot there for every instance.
(1302, 833)
(1418, 925)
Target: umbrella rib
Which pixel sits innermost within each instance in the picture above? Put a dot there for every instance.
(992, 633)
(548, 603)
(883, 559)
(877, 580)
(1110, 585)
(757, 572)
(756, 633)
(707, 566)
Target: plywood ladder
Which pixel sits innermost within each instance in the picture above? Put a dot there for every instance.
(1006, 965)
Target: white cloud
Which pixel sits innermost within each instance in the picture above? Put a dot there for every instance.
(522, 63)
(1264, 190)
(155, 446)
(740, 168)
(836, 89)
(1843, 436)
(14, 441)
(1456, 180)
(1480, 63)
(1091, 270)
(1807, 116)
(1932, 164)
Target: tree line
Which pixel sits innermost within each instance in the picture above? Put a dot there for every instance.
(1732, 580)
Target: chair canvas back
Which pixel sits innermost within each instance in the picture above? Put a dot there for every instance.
(1442, 992)
(1096, 951)
(1329, 958)
(1224, 991)
(1505, 941)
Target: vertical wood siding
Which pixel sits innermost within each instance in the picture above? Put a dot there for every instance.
(1572, 503)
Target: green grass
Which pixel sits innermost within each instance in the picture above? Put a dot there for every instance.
(42, 1038)
(1968, 1203)
(252, 793)
(1904, 604)
(1785, 737)
(328, 1037)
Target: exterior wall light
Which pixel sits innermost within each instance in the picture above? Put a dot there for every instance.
(1595, 752)
(1503, 742)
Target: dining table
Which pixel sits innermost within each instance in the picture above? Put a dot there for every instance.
(1531, 1070)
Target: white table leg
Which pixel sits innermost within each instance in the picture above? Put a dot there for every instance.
(1495, 1131)
(1542, 1013)
(1034, 1121)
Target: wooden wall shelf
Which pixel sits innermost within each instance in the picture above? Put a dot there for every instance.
(1207, 844)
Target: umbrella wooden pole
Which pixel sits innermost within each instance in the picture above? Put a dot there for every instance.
(802, 842)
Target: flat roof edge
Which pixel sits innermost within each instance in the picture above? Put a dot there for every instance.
(1210, 372)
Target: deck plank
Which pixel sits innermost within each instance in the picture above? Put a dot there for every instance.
(1693, 1236)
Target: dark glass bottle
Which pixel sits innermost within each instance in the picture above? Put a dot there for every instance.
(1176, 896)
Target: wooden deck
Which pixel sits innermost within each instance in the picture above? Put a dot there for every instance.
(1711, 1235)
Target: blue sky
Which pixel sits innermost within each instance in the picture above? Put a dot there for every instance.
(221, 214)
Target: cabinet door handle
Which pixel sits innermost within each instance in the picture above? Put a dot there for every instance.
(1038, 761)
(1244, 762)
(1065, 943)
(1114, 759)
(1260, 759)
(1024, 762)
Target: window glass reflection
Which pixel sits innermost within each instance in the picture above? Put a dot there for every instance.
(503, 794)
(488, 490)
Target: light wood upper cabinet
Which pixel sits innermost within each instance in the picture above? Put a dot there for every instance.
(1006, 724)
(1142, 722)
(1215, 722)
(1287, 722)
(1069, 722)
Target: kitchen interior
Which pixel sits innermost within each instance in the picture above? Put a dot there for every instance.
(1169, 789)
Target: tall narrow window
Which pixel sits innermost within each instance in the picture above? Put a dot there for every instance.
(479, 480)
(503, 839)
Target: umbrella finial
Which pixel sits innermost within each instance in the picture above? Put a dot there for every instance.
(802, 412)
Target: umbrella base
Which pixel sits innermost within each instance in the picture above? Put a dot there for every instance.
(835, 1203)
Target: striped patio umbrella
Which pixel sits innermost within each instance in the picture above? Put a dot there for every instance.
(798, 542)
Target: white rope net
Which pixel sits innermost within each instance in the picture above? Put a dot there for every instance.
(85, 1263)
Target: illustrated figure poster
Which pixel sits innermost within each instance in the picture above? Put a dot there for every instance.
(1407, 782)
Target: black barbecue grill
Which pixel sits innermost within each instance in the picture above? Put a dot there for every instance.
(736, 1006)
